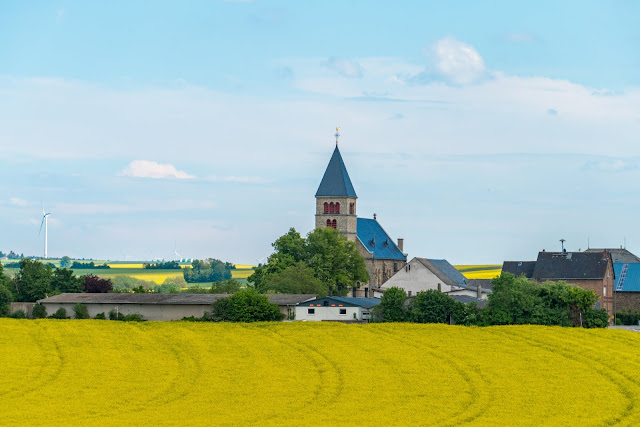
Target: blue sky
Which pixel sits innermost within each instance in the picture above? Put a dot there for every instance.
(478, 131)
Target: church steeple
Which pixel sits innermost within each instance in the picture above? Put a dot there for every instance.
(336, 181)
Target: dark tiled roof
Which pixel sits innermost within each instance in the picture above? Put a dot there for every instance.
(444, 271)
(518, 268)
(631, 280)
(377, 241)
(467, 299)
(336, 182)
(618, 255)
(177, 299)
(571, 265)
(485, 284)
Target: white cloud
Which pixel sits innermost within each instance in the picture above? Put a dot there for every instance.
(345, 67)
(457, 62)
(149, 169)
(15, 201)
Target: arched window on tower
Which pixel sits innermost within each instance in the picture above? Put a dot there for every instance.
(332, 208)
(351, 208)
(334, 224)
(338, 207)
(328, 223)
(326, 207)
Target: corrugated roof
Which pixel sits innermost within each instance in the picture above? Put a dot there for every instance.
(377, 241)
(336, 181)
(631, 281)
(571, 265)
(155, 299)
(518, 268)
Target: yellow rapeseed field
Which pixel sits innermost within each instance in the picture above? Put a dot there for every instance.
(92, 372)
(479, 271)
(241, 274)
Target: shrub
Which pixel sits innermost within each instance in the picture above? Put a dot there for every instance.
(100, 316)
(245, 306)
(61, 313)
(96, 285)
(595, 318)
(114, 315)
(18, 314)
(627, 317)
(80, 310)
(133, 317)
(39, 311)
(431, 307)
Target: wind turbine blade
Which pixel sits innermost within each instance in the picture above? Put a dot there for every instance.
(41, 224)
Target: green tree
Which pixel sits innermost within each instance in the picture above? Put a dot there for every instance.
(6, 296)
(33, 281)
(296, 279)
(431, 307)
(65, 281)
(65, 262)
(211, 270)
(167, 288)
(81, 311)
(230, 286)
(245, 306)
(39, 311)
(96, 285)
(333, 259)
(513, 300)
(392, 305)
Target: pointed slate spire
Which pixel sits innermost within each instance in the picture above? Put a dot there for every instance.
(336, 182)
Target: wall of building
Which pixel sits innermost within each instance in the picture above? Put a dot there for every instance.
(416, 279)
(162, 312)
(603, 288)
(627, 301)
(380, 270)
(27, 307)
(345, 222)
(328, 313)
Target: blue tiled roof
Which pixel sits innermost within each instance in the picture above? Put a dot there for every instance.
(377, 241)
(632, 279)
(336, 181)
(362, 302)
(449, 270)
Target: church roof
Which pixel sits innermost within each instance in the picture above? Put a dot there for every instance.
(336, 182)
(377, 241)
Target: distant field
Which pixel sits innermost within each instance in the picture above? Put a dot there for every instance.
(479, 271)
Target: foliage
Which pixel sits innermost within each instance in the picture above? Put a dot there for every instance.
(80, 311)
(628, 317)
(115, 315)
(169, 265)
(595, 318)
(6, 296)
(333, 259)
(33, 281)
(210, 270)
(167, 288)
(63, 280)
(431, 307)
(65, 262)
(100, 316)
(392, 305)
(244, 306)
(61, 313)
(88, 265)
(96, 285)
(196, 290)
(230, 286)
(39, 311)
(18, 314)
(133, 317)
(295, 279)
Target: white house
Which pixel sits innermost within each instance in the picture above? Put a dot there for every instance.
(336, 309)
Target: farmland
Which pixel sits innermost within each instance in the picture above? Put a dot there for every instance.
(115, 373)
(479, 271)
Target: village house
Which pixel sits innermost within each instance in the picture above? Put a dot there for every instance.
(588, 270)
(336, 207)
(422, 274)
(162, 307)
(332, 308)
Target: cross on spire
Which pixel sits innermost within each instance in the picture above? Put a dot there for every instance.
(337, 134)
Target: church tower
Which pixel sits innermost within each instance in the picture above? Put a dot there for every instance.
(336, 198)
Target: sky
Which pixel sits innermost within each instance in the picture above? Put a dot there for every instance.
(478, 131)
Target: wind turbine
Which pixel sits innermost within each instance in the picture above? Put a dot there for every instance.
(175, 252)
(45, 222)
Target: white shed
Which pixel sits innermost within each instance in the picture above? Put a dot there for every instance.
(336, 309)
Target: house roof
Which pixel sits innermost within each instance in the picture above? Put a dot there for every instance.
(349, 301)
(444, 271)
(377, 241)
(518, 268)
(571, 265)
(618, 255)
(336, 181)
(467, 299)
(631, 279)
(156, 299)
(485, 284)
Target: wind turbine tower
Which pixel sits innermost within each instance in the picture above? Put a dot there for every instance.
(45, 222)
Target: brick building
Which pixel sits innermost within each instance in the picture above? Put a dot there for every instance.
(336, 206)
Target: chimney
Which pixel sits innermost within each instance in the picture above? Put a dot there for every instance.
(330, 290)
(605, 254)
(354, 291)
(366, 292)
(479, 292)
(375, 216)
(401, 244)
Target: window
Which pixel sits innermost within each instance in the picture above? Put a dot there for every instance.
(395, 267)
(332, 208)
(338, 207)
(328, 223)
(326, 207)
(311, 311)
(604, 291)
(343, 311)
(334, 224)
(351, 208)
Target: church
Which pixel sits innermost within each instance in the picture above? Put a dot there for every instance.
(336, 206)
